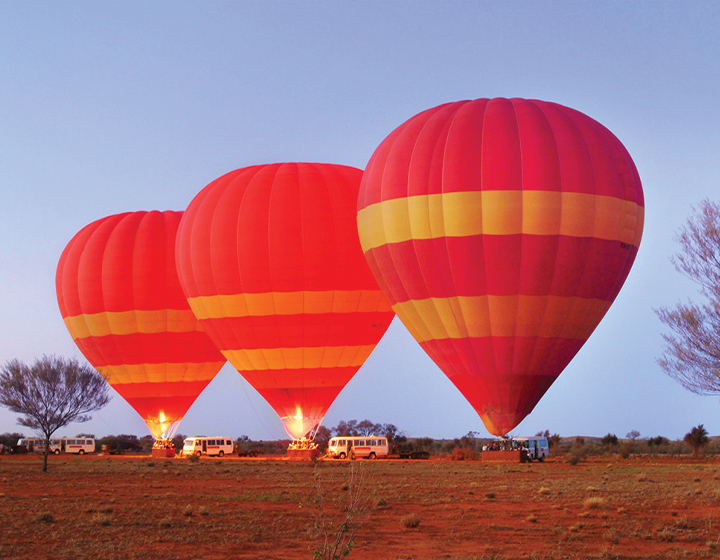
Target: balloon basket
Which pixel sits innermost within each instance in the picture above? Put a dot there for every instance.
(505, 456)
(303, 449)
(162, 453)
(303, 453)
(163, 448)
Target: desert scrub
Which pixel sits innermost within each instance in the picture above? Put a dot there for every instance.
(101, 519)
(411, 520)
(46, 517)
(594, 502)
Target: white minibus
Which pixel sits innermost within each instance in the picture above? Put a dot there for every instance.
(537, 447)
(68, 445)
(370, 447)
(79, 446)
(37, 445)
(211, 446)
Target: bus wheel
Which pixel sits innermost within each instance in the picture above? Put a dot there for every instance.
(221, 454)
(198, 453)
(57, 452)
(372, 456)
(81, 452)
(342, 455)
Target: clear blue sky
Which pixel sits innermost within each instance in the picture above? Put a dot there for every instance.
(108, 107)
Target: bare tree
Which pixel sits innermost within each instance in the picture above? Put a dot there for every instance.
(337, 529)
(691, 354)
(52, 393)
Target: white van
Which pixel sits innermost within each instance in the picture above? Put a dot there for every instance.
(537, 447)
(79, 446)
(76, 445)
(370, 447)
(211, 446)
(37, 445)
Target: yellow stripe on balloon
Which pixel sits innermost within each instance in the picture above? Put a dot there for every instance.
(288, 303)
(516, 315)
(501, 212)
(132, 322)
(298, 358)
(160, 373)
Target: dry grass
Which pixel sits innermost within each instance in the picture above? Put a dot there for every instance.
(180, 510)
(411, 520)
(594, 502)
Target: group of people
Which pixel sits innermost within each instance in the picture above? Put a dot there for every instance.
(504, 445)
(163, 444)
(303, 443)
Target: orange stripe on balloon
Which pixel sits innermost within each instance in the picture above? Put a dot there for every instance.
(298, 358)
(132, 322)
(288, 303)
(500, 212)
(515, 315)
(160, 373)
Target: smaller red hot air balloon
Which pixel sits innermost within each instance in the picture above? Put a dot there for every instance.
(121, 300)
(270, 260)
(501, 231)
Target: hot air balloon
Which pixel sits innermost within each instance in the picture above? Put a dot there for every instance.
(270, 260)
(501, 231)
(121, 300)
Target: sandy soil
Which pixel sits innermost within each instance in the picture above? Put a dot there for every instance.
(137, 507)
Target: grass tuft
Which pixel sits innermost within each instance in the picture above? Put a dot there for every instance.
(411, 520)
(594, 502)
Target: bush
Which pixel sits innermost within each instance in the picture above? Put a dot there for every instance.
(626, 449)
(411, 521)
(609, 440)
(697, 438)
(463, 454)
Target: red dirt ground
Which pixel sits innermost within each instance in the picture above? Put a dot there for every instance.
(138, 507)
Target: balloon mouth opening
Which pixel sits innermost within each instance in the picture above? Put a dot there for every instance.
(301, 428)
(499, 424)
(162, 427)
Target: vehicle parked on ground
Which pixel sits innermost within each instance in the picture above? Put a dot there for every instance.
(216, 446)
(537, 447)
(37, 445)
(370, 447)
(79, 446)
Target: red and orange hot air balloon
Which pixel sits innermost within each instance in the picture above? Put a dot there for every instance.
(501, 231)
(270, 260)
(121, 300)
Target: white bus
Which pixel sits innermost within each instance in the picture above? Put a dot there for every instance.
(79, 446)
(211, 446)
(57, 446)
(37, 445)
(370, 447)
(537, 447)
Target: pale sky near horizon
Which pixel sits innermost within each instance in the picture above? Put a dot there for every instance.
(113, 107)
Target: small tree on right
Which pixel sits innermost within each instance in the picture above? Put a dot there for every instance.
(691, 354)
(697, 438)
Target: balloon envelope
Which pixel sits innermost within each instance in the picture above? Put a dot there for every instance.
(121, 300)
(501, 231)
(270, 260)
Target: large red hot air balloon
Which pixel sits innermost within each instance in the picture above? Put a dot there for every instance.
(501, 231)
(121, 300)
(270, 260)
